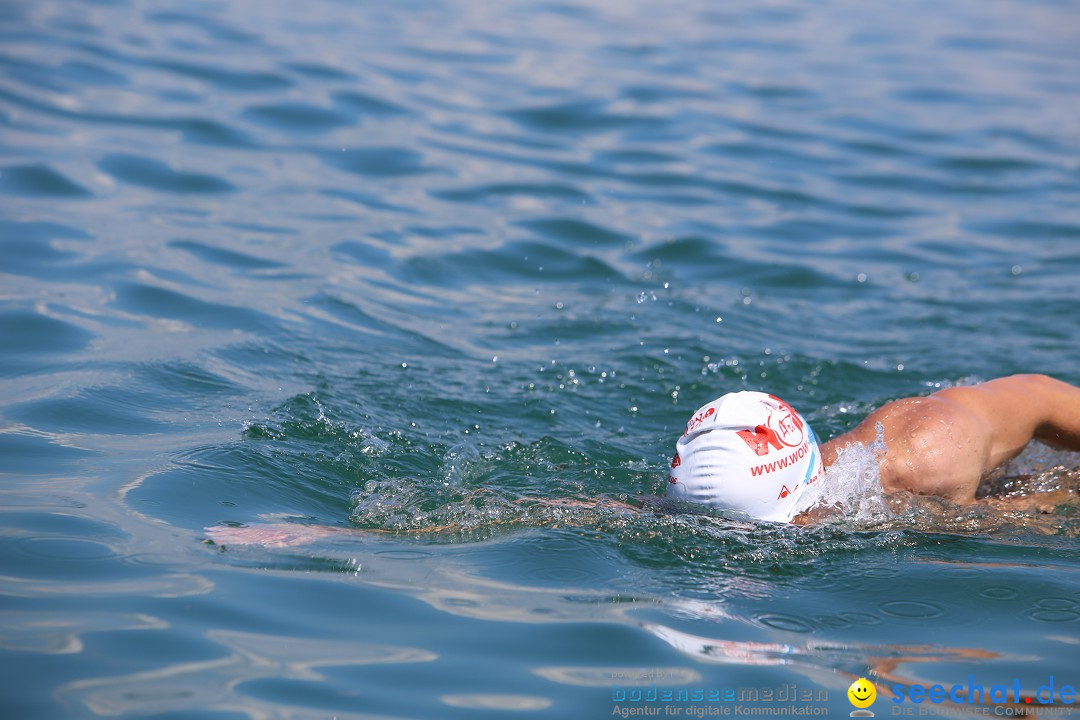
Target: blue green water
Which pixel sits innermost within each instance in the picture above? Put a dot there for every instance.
(411, 269)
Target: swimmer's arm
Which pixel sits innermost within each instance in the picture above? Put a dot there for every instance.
(1061, 429)
(275, 534)
(946, 443)
(282, 534)
(285, 534)
(1020, 408)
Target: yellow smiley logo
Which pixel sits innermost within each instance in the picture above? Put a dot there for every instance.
(862, 693)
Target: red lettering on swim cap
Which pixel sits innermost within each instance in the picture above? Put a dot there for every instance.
(671, 479)
(760, 438)
(781, 463)
(784, 492)
(794, 415)
(676, 461)
(786, 423)
(698, 419)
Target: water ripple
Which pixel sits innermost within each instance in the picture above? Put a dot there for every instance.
(497, 193)
(575, 233)
(520, 260)
(238, 261)
(147, 300)
(38, 181)
(221, 77)
(433, 287)
(580, 117)
(363, 104)
(297, 117)
(29, 333)
(211, 27)
(377, 162)
(156, 175)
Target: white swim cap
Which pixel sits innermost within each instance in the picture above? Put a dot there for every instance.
(746, 451)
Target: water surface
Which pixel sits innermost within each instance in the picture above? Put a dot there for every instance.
(411, 270)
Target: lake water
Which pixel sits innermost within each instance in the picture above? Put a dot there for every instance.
(411, 270)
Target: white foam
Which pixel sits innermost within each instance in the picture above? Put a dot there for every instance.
(852, 485)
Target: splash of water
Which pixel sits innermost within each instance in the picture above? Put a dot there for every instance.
(1038, 491)
(852, 491)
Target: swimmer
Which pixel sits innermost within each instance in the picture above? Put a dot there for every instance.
(753, 453)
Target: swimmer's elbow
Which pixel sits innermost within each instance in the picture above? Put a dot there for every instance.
(1055, 409)
(1037, 387)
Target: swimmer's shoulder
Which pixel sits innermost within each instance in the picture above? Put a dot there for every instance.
(933, 446)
